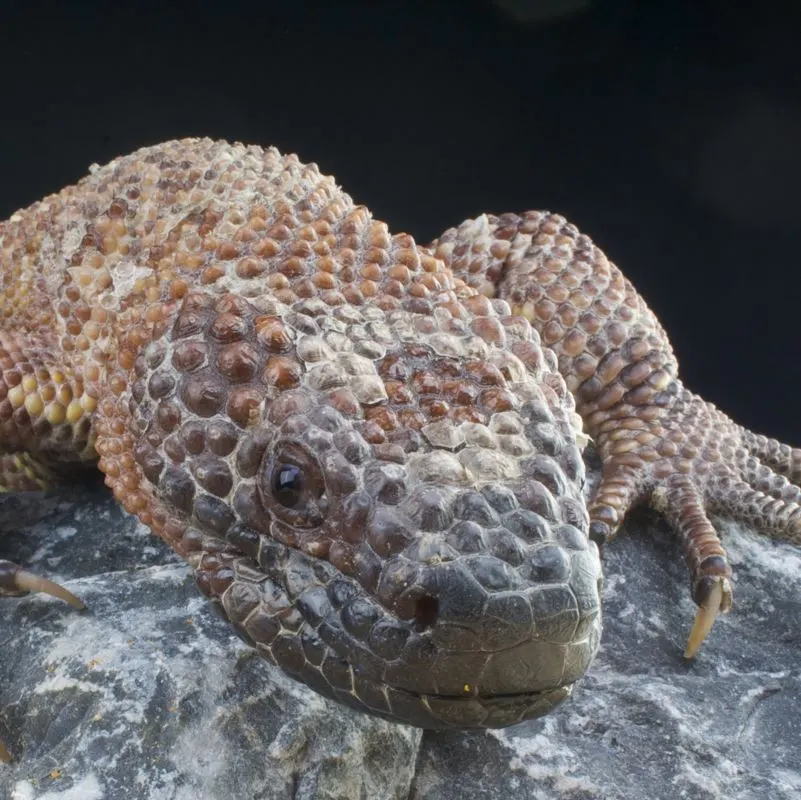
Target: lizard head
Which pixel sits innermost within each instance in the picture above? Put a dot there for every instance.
(390, 513)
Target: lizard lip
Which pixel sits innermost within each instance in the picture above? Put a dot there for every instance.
(435, 711)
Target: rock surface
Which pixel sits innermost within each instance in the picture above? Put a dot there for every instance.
(149, 695)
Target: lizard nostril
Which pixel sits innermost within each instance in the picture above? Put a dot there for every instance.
(426, 611)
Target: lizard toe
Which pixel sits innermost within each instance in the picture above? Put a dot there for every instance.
(619, 489)
(773, 509)
(782, 459)
(680, 498)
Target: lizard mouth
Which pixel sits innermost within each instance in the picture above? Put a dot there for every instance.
(442, 711)
(469, 658)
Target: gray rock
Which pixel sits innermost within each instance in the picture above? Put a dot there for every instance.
(149, 695)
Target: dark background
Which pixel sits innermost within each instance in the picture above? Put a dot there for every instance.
(670, 132)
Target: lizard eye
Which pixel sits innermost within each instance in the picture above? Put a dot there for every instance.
(288, 484)
(292, 486)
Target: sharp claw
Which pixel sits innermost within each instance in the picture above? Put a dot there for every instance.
(29, 582)
(705, 617)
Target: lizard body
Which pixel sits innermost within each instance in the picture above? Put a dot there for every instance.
(368, 451)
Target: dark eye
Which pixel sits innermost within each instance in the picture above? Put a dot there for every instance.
(292, 487)
(288, 484)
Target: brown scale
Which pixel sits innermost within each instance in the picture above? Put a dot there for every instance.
(158, 310)
(423, 387)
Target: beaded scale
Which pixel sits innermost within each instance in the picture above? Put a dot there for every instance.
(368, 451)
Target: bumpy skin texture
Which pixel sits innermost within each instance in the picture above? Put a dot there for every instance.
(367, 450)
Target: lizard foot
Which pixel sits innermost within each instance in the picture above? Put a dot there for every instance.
(688, 460)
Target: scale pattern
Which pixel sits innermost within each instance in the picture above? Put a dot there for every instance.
(369, 451)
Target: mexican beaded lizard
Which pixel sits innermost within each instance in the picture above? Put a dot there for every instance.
(368, 451)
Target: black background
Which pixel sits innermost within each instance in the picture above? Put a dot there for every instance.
(670, 132)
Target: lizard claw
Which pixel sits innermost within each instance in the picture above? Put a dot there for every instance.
(714, 604)
(15, 581)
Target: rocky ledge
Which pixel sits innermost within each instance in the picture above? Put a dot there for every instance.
(148, 694)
